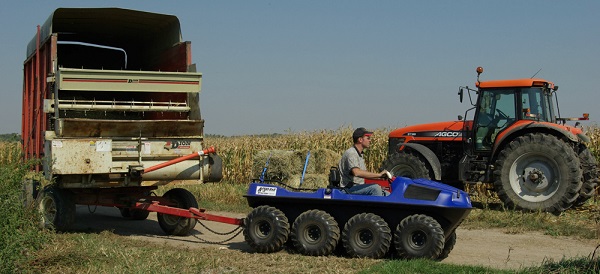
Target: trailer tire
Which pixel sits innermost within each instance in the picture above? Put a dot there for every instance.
(589, 177)
(366, 235)
(406, 165)
(448, 246)
(419, 236)
(538, 172)
(175, 225)
(56, 207)
(134, 214)
(30, 192)
(315, 233)
(266, 229)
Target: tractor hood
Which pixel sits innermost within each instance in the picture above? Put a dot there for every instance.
(449, 129)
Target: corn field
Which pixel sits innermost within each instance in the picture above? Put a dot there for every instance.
(10, 152)
(237, 152)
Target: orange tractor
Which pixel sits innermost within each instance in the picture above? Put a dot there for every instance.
(516, 140)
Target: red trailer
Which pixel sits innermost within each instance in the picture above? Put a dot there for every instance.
(109, 93)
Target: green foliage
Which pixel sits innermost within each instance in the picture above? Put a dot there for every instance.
(19, 234)
(573, 265)
(426, 267)
(10, 137)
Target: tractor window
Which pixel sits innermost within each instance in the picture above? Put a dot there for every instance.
(535, 105)
(496, 112)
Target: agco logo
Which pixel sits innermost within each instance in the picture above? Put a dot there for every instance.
(448, 134)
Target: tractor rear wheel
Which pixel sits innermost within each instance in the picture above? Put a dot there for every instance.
(175, 225)
(589, 178)
(366, 235)
(406, 165)
(57, 208)
(315, 233)
(538, 172)
(266, 229)
(419, 236)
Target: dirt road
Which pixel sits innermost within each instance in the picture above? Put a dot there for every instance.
(490, 247)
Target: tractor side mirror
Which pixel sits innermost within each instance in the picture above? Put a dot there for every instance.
(460, 94)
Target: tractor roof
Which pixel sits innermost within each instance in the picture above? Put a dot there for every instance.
(528, 82)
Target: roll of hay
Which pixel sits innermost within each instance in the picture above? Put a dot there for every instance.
(287, 166)
(324, 159)
(310, 181)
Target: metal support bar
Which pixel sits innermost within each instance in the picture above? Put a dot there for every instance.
(180, 159)
(188, 213)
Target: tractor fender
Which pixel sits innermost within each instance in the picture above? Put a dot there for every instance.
(521, 129)
(428, 155)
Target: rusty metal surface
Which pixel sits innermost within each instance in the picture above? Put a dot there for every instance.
(78, 127)
(80, 156)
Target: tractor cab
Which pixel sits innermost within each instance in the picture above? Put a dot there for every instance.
(503, 104)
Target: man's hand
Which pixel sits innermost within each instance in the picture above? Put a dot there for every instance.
(385, 174)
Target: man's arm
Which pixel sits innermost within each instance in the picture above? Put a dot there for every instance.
(368, 175)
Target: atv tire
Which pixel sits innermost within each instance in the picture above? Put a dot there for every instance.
(419, 236)
(448, 246)
(175, 225)
(366, 235)
(57, 208)
(406, 165)
(266, 229)
(589, 178)
(315, 233)
(538, 172)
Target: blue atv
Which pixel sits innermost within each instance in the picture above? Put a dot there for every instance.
(419, 218)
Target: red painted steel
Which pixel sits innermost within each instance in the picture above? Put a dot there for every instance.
(180, 159)
(188, 213)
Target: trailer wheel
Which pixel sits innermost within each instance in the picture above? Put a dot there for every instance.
(266, 229)
(175, 225)
(366, 235)
(406, 165)
(589, 178)
(448, 246)
(419, 236)
(315, 233)
(538, 172)
(30, 192)
(57, 208)
(134, 214)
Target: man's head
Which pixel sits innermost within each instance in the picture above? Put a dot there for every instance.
(362, 136)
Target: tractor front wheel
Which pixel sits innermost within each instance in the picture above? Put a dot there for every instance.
(266, 229)
(175, 225)
(538, 172)
(315, 233)
(406, 165)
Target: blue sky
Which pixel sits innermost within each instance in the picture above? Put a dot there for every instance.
(274, 66)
